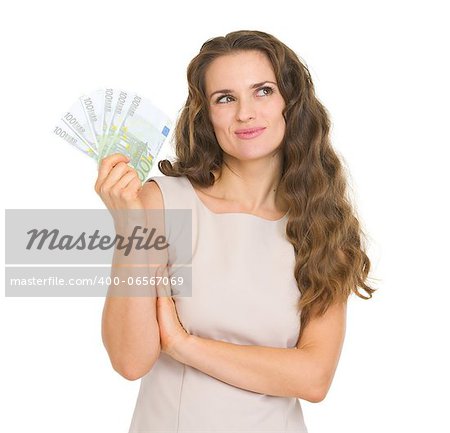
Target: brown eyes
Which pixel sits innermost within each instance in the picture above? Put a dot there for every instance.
(262, 91)
(223, 99)
(267, 89)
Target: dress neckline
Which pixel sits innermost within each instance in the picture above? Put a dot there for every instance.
(208, 210)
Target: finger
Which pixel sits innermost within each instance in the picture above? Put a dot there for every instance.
(157, 287)
(126, 190)
(134, 185)
(162, 289)
(106, 166)
(120, 169)
(129, 194)
(123, 182)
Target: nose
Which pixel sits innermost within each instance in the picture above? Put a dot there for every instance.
(245, 110)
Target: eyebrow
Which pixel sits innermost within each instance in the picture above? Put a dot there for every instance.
(253, 86)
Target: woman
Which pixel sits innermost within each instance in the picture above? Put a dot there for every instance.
(276, 250)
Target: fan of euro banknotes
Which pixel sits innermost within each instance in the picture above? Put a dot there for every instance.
(109, 121)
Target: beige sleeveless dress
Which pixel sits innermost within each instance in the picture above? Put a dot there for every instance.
(243, 292)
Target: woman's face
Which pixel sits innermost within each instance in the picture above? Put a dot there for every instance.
(245, 105)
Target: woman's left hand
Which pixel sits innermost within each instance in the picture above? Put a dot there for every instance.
(172, 334)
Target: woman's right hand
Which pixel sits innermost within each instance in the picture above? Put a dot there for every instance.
(118, 185)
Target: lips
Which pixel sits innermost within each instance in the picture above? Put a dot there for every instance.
(249, 133)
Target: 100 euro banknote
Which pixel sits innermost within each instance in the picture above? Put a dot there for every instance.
(111, 121)
(73, 129)
(135, 136)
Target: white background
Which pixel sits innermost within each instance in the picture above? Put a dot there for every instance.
(381, 69)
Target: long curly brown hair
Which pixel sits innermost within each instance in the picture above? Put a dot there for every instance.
(322, 225)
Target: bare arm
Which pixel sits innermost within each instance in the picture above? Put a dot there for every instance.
(304, 372)
(130, 330)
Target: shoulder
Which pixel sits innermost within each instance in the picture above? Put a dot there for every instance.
(151, 195)
(164, 192)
